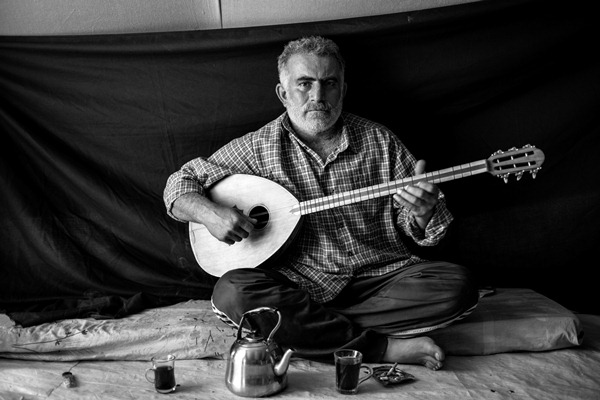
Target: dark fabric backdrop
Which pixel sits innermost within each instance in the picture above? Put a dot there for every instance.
(92, 126)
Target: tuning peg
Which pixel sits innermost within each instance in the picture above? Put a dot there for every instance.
(519, 175)
(504, 177)
(534, 172)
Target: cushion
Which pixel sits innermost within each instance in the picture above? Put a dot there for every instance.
(510, 320)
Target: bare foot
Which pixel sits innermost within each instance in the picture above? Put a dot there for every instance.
(419, 350)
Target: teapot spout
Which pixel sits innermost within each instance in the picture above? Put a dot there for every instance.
(282, 366)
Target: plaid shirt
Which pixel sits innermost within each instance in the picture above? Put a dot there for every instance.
(361, 239)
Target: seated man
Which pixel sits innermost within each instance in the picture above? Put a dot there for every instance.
(348, 280)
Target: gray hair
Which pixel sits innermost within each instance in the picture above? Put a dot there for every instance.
(316, 45)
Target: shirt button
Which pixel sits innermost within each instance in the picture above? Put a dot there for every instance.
(350, 254)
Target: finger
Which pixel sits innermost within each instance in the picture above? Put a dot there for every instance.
(426, 186)
(420, 167)
(235, 237)
(412, 194)
(249, 223)
(427, 190)
(243, 233)
(406, 199)
(244, 228)
(396, 200)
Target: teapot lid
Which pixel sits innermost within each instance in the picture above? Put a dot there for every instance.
(253, 337)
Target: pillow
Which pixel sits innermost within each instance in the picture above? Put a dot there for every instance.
(511, 320)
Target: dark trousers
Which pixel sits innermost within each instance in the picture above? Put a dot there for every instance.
(406, 302)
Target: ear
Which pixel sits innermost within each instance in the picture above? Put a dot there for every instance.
(281, 93)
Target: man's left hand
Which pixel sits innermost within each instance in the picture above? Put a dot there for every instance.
(420, 199)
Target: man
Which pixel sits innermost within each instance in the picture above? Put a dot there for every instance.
(348, 280)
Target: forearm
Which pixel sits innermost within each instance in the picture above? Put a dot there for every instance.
(191, 181)
(192, 207)
(224, 223)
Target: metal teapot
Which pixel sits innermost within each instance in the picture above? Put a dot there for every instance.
(257, 367)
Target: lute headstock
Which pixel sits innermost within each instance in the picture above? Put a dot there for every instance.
(516, 161)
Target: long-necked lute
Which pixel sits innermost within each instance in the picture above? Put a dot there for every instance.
(279, 213)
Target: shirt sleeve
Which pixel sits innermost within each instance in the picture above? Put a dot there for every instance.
(436, 228)
(197, 175)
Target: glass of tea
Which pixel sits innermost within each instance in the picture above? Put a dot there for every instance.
(347, 371)
(164, 374)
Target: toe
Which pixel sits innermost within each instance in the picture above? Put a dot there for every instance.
(432, 364)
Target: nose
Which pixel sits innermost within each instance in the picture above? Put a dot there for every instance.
(317, 92)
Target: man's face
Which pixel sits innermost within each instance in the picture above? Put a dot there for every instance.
(312, 91)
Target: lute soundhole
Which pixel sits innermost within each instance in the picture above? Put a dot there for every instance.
(261, 214)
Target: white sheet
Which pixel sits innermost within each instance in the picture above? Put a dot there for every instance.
(187, 330)
(109, 357)
(552, 375)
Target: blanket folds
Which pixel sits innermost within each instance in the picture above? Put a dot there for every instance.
(509, 321)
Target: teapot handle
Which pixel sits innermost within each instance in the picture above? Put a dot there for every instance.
(258, 311)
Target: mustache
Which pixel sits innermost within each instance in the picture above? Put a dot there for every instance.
(318, 107)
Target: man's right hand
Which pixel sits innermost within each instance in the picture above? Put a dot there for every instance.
(226, 224)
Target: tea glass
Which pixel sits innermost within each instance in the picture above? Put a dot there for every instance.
(164, 374)
(347, 371)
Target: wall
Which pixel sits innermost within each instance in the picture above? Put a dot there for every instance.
(73, 17)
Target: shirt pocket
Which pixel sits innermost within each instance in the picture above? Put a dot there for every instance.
(375, 204)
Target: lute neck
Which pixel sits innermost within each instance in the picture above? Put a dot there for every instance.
(388, 188)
